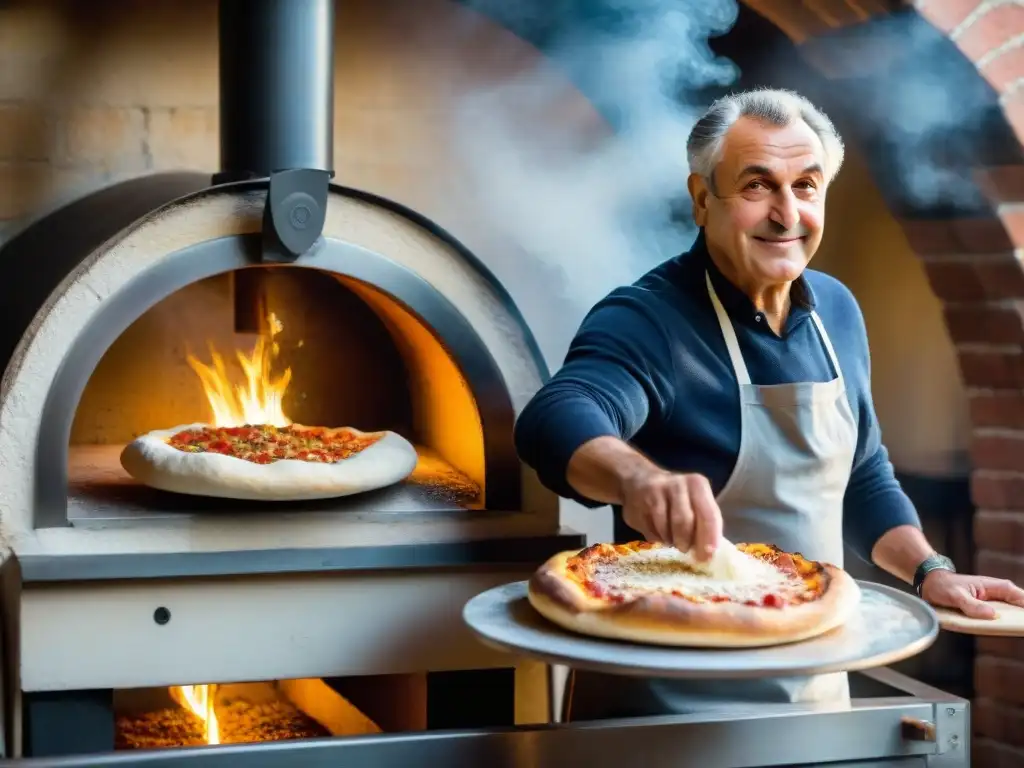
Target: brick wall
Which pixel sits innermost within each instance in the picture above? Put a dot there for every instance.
(99, 91)
(975, 270)
(982, 284)
(93, 95)
(89, 98)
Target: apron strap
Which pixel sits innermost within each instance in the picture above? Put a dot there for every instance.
(731, 342)
(828, 345)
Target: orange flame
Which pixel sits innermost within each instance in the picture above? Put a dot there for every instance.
(260, 399)
(198, 699)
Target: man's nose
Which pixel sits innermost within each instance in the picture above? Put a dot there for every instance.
(785, 212)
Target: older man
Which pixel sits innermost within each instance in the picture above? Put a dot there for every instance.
(728, 391)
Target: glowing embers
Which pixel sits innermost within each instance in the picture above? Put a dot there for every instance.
(241, 713)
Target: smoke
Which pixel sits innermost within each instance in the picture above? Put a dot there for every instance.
(925, 113)
(591, 207)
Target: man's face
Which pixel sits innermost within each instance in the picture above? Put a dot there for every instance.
(767, 212)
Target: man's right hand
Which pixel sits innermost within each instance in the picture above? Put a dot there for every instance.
(672, 508)
(666, 507)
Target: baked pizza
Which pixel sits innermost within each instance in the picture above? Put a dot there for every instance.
(263, 462)
(748, 595)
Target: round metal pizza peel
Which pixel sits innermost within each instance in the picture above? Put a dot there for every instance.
(888, 626)
(1009, 621)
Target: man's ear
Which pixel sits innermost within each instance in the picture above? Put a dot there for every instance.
(699, 193)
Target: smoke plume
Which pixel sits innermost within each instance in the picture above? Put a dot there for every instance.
(592, 209)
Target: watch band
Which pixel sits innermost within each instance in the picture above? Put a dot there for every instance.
(935, 562)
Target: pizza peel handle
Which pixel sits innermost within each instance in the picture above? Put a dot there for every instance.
(1009, 621)
(888, 626)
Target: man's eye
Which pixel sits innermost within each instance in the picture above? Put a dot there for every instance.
(756, 185)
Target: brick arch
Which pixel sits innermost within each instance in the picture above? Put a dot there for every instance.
(974, 266)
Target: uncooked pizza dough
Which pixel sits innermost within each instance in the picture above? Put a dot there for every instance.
(1009, 621)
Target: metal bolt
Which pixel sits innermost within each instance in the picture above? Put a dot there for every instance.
(950, 711)
(161, 615)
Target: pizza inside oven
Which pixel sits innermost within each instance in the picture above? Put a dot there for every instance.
(756, 595)
(260, 462)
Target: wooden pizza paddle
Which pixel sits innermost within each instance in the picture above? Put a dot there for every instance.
(1009, 621)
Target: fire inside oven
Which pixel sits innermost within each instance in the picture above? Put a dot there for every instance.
(194, 715)
(303, 709)
(277, 346)
(247, 713)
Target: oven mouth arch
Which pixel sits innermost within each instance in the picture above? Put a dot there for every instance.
(438, 315)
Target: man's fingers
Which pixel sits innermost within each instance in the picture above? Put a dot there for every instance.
(707, 522)
(680, 516)
(972, 607)
(638, 521)
(1002, 589)
(656, 518)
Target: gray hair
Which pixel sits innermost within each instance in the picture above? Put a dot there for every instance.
(775, 106)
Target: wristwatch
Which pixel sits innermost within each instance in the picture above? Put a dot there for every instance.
(935, 562)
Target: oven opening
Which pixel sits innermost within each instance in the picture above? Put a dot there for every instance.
(277, 346)
(244, 713)
(268, 711)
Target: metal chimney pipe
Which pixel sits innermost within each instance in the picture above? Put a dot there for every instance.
(276, 87)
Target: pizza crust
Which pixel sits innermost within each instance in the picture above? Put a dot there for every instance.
(150, 460)
(675, 621)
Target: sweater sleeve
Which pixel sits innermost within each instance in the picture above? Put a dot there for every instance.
(874, 502)
(617, 373)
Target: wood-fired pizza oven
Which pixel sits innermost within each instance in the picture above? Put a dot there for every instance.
(386, 322)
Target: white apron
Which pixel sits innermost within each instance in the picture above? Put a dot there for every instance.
(797, 444)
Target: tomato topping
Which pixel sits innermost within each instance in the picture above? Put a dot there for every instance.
(772, 601)
(265, 444)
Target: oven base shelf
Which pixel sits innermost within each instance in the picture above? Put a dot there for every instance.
(102, 495)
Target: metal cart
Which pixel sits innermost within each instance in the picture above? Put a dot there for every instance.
(897, 723)
(892, 721)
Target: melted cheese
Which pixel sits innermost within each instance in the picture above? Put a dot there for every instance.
(735, 576)
(730, 564)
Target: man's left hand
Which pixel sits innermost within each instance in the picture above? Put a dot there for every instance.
(968, 593)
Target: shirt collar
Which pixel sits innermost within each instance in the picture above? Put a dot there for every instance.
(738, 304)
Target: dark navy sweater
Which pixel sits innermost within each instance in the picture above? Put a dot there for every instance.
(649, 365)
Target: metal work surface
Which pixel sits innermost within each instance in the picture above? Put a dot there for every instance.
(889, 626)
(102, 495)
(919, 728)
(521, 550)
